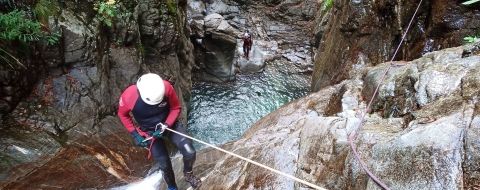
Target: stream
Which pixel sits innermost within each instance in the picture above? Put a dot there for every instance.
(222, 112)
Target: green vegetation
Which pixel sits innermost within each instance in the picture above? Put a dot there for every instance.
(470, 2)
(471, 39)
(17, 27)
(140, 48)
(172, 7)
(327, 4)
(44, 9)
(106, 12)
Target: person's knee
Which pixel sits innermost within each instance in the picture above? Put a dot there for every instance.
(188, 151)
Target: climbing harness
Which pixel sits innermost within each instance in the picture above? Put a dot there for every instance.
(353, 136)
(250, 161)
(152, 138)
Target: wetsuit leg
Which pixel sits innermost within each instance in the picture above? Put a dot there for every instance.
(162, 161)
(245, 47)
(184, 145)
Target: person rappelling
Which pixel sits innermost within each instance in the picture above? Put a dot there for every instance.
(247, 44)
(155, 107)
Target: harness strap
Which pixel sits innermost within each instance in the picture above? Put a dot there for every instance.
(145, 135)
(150, 149)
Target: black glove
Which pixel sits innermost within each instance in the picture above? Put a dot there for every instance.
(139, 140)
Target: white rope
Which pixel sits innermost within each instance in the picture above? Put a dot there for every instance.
(251, 161)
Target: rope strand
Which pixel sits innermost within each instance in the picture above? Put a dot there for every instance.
(250, 161)
(353, 135)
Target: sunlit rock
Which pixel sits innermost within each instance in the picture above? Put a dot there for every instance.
(432, 146)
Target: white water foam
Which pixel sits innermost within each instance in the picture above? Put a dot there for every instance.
(151, 182)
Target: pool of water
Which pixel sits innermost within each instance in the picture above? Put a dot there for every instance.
(222, 112)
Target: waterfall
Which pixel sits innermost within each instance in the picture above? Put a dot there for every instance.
(151, 182)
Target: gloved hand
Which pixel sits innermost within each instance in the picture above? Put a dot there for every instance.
(139, 140)
(159, 129)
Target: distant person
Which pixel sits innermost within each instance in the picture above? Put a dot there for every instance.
(154, 105)
(247, 44)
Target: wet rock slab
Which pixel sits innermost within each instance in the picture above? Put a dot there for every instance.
(432, 146)
(90, 162)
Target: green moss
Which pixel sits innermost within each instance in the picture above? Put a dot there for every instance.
(141, 48)
(172, 7)
(327, 4)
(44, 9)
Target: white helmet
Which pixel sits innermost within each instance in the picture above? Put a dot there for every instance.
(151, 88)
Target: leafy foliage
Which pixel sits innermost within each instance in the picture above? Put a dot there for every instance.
(471, 39)
(470, 2)
(106, 12)
(327, 4)
(44, 9)
(15, 26)
(172, 7)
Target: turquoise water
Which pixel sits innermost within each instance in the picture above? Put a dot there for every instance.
(222, 112)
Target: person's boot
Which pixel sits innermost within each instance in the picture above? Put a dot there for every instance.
(194, 181)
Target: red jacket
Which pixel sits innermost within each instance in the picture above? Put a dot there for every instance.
(147, 116)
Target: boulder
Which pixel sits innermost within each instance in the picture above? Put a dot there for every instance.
(196, 10)
(212, 21)
(219, 55)
(216, 49)
(220, 7)
(435, 148)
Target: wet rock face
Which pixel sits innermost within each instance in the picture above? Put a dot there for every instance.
(16, 81)
(367, 32)
(294, 10)
(277, 29)
(66, 132)
(17, 61)
(398, 89)
(100, 159)
(217, 47)
(167, 50)
(410, 86)
(219, 54)
(214, 39)
(434, 149)
(13, 89)
(471, 166)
